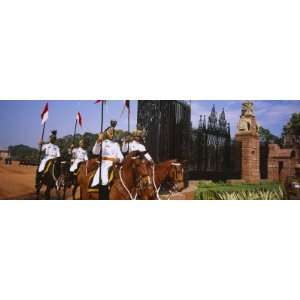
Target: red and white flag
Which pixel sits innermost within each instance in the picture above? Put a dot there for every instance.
(99, 101)
(44, 114)
(126, 105)
(79, 119)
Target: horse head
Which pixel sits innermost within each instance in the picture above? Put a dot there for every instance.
(176, 175)
(144, 176)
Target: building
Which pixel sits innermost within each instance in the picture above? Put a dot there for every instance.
(4, 153)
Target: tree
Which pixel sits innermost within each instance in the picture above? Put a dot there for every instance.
(22, 152)
(291, 131)
(267, 137)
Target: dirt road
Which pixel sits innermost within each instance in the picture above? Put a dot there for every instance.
(17, 182)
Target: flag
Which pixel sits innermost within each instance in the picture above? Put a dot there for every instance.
(79, 119)
(126, 105)
(44, 114)
(99, 101)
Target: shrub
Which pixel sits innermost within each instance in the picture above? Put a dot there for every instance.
(261, 191)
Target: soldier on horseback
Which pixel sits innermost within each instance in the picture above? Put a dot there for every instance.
(136, 143)
(79, 155)
(111, 154)
(52, 152)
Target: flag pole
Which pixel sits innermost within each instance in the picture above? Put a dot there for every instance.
(128, 124)
(40, 153)
(74, 132)
(100, 156)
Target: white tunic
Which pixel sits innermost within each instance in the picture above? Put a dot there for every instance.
(51, 152)
(79, 155)
(135, 146)
(110, 150)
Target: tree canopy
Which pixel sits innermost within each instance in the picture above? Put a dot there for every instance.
(267, 137)
(291, 131)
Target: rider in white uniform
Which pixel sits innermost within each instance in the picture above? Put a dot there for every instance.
(51, 151)
(136, 144)
(79, 155)
(111, 153)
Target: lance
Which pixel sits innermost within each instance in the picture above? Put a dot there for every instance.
(44, 118)
(74, 131)
(100, 155)
(128, 124)
(42, 140)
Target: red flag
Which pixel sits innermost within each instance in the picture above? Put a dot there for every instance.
(79, 119)
(99, 101)
(44, 114)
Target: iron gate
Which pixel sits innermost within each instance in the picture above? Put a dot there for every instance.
(213, 154)
(167, 126)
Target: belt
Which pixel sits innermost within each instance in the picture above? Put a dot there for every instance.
(108, 158)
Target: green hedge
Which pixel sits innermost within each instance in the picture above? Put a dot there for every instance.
(265, 190)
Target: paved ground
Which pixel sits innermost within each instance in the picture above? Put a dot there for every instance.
(186, 194)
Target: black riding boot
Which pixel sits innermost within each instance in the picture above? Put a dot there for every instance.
(72, 178)
(104, 192)
(38, 179)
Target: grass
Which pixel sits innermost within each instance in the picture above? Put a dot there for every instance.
(265, 190)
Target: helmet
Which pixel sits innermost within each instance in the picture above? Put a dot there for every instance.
(53, 134)
(83, 142)
(138, 133)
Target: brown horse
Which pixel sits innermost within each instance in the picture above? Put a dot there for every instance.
(170, 172)
(132, 178)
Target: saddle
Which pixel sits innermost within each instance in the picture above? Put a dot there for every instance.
(78, 168)
(49, 163)
(111, 177)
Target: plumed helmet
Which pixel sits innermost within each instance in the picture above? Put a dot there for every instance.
(53, 134)
(83, 142)
(138, 133)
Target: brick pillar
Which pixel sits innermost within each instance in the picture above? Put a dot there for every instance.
(250, 156)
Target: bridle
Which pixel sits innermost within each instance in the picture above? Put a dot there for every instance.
(142, 182)
(145, 181)
(176, 179)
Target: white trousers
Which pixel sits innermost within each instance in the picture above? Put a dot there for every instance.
(74, 166)
(106, 164)
(43, 163)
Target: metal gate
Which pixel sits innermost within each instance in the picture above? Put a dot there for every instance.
(167, 125)
(213, 154)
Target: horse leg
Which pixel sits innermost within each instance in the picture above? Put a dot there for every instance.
(47, 193)
(84, 194)
(38, 193)
(64, 192)
(74, 191)
(57, 194)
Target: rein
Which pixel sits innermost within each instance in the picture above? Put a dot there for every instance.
(124, 185)
(153, 178)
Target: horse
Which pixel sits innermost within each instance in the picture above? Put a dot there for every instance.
(171, 173)
(131, 178)
(50, 178)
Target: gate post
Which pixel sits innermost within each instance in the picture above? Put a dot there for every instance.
(248, 136)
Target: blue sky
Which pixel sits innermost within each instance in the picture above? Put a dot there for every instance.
(20, 120)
